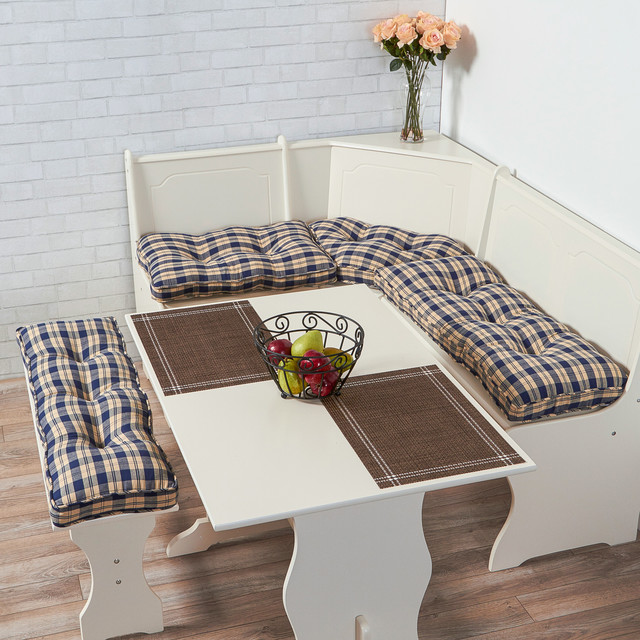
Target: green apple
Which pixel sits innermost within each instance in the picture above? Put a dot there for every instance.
(309, 340)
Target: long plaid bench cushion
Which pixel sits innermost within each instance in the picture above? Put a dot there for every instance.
(231, 260)
(531, 364)
(94, 422)
(359, 248)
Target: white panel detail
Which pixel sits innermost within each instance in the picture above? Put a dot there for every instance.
(214, 199)
(417, 193)
(405, 193)
(572, 270)
(199, 191)
(593, 286)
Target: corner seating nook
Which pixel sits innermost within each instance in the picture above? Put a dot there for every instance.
(517, 287)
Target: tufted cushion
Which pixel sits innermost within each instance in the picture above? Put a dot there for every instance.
(359, 249)
(94, 422)
(532, 365)
(235, 259)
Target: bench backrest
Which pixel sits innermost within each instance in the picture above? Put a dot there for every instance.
(570, 268)
(195, 192)
(427, 194)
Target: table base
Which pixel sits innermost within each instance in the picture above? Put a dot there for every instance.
(359, 571)
(201, 535)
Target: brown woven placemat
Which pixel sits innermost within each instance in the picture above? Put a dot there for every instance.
(202, 348)
(413, 425)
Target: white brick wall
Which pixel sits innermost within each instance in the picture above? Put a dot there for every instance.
(82, 80)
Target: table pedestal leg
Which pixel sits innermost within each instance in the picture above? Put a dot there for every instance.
(201, 535)
(359, 571)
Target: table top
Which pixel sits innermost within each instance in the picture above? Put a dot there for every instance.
(256, 457)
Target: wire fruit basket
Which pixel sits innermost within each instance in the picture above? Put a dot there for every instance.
(309, 354)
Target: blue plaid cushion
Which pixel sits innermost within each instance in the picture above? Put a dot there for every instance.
(94, 422)
(359, 249)
(235, 259)
(532, 365)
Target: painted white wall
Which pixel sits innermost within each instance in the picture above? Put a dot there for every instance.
(81, 80)
(552, 90)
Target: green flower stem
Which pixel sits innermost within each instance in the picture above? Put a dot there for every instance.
(415, 70)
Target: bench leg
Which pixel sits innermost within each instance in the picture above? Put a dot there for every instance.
(120, 601)
(583, 492)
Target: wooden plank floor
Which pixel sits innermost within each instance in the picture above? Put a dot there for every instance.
(233, 591)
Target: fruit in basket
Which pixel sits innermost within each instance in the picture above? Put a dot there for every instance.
(314, 361)
(322, 377)
(279, 347)
(322, 384)
(307, 341)
(339, 359)
(289, 379)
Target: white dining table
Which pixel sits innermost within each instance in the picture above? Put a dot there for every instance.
(360, 565)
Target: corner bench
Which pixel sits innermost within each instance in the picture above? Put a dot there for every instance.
(104, 474)
(548, 281)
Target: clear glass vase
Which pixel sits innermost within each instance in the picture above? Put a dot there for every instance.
(416, 95)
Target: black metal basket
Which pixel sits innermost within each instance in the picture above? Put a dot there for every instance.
(316, 376)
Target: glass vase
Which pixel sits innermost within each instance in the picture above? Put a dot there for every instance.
(416, 94)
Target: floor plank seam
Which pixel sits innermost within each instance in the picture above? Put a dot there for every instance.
(525, 609)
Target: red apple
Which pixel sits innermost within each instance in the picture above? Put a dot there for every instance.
(322, 384)
(314, 361)
(281, 347)
(322, 377)
(329, 381)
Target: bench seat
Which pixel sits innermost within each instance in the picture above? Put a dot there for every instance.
(235, 259)
(359, 249)
(94, 422)
(532, 365)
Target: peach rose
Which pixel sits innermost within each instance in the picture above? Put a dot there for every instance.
(377, 32)
(388, 29)
(427, 21)
(420, 26)
(406, 34)
(402, 19)
(451, 33)
(432, 40)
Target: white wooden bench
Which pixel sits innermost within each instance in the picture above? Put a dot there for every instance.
(104, 475)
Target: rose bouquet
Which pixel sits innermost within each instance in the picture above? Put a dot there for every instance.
(414, 43)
